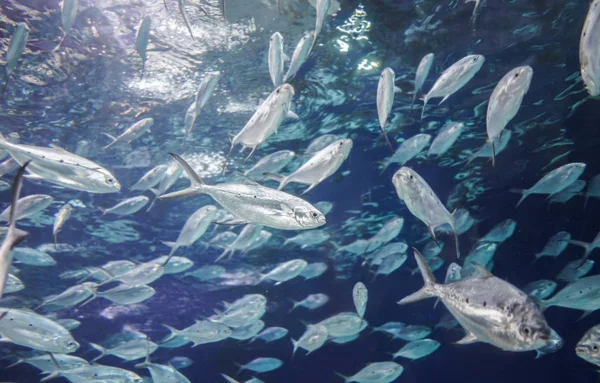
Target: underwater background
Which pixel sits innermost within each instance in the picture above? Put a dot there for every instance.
(96, 83)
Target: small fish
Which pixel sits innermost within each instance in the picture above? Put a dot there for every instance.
(589, 54)
(575, 270)
(308, 238)
(127, 351)
(125, 294)
(432, 249)
(201, 332)
(141, 39)
(541, 289)
(454, 78)
(47, 363)
(505, 102)
(319, 167)
(421, 75)
(413, 332)
(313, 338)
(242, 312)
(32, 257)
(60, 218)
(390, 328)
(150, 179)
(204, 93)
(445, 139)
(588, 347)
(554, 181)
(170, 176)
(174, 265)
(408, 150)
(71, 297)
(422, 202)
(261, 365)
(96, 373)
(271, 334)
(160, 372)
(501, 232)
(593, 189)
(206, 273)
(360, 297)
(15, 50)
(390, 263)
(242, 242)
(276, 59)
(380, 372)
(491, 310)
(569, 192)
(193, 229)
(311, 302)
(285, 271)
(127, 207)
(389, 249)
(385, 99)
(13, 284)
(582, 294)
(482, 253)
(300, 55)
(417, 349)
(344, 324)
(180, 362)
(247, 332)
(273, 163)
(320, 143)
(555, 245)
(181, 4)
(27, 207)
(133, 132)
(68, 13)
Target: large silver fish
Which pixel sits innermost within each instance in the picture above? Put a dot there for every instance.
(490, 309)
(63, 168)
(422, 202)
(588, 347)
(15, 50)
(254, 203)
(505, 102)
(589, 50)
(385, 99)
(454, 78)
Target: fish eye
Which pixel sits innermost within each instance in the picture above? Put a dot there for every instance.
(595, 348)
(411, 177)
(110, 180)
(474, 59)
(277, 91)
(314, 214)
(516, 75)
(341, 143)
(526, 331)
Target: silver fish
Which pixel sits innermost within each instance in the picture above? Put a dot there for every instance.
(125, 294)
(505, 102)
(276, 59)
(380, 372)
(490, 309)
(583, 294)
(27, 206)
(575, 270)
(313, 338)
(422, 202)
(127, 207)
(344, 324)
(554, 181)
(96, 373)
(150, 179)
(194, 228)
(262, 365)
(71, 297)
(407, 150)
(254, 203)
(133, 132)
(417, 349)
(33, 257)
(271, 334)
(128, 351)
(589, 247)
(422, 73)
(319, 167)
(541, 289)
(285, 271)
(454, 78)
(555, 245)
(300, 55)
(181, 4)
(206, 273)
(15, 50)
(201, 332)
(589, 58)
(46, 363)
(445, 139)
(388, 232)
(63, 168)
(68, 13)
(360, 296)
(203, 94)
(248, 331)
(242, 242)
(320, 143)
(308, 238)
(174, 265)
(170, 176)
(385, 99)
(273, 163)
(141, 39)
(13, 284)
(588, 347)
(569, 192)
(60, 218)
(501, 232)
(311, 302)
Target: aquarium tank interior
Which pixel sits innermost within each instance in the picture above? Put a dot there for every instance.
(296, 191)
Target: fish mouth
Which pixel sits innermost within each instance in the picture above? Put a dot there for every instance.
(322, 220)
(582, 350)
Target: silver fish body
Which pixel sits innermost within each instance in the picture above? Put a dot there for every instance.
(28, 206)
(273, 163)
(445, 139)
(127, 207)
(313, 338)
(276, 59)
(141, 39)
(60, 218)
(589, 51)
(133, 132)
(150, 179)
(385, 98)
(15, 50)
(407, 150)
(422, 73)
(360, 296)
(555, 181)
(300, 55)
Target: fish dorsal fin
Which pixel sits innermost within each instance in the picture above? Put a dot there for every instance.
(247, 180)
(482, 272)
(56, 147)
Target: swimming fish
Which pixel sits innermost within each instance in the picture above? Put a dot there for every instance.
(128, 351)
(555, 245)
(417, 349)
(589, 247)
(445, 139)
(501, 232)
(247, 332)
(300, 55)
(273, 163)
(407, 150)
(380, 372)
(385, 99)
(14, 52)
(141, 39)
(360, 297)
(27, 207)
(589, 58)
(311, 302)
(583, 294)
(261, 365)
(285, 271)
(554, 181)
(133, 132)
(505, 102)
(313, 338)
(421, 75)
(242, 242)
(170, 176)
(454, 78)
(194, 228)
(388, 232)
(96, 373)
(203, 94)
(344, 324)
(588, 347)
(276, 59)
(490, 309)
(150, 179)
(308, 238)
(33, 257)
(271, 334)
(127, 207)
(541, 289)
(422, 202)
(60, 218)
(68, 13)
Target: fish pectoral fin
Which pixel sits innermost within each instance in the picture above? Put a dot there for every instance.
(482, 272)
(468, 339)
(397, 89)
(292, 115)
(286, 58)
(443, 99)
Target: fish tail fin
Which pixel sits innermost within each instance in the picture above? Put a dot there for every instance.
(59, 43)
(295, 304)
(346, 378)
(173, 246)
(456, 243)
(425, 100)
(524, 194)
(165, 3)
(277, 177)
(223, 254)
(114, 140)
(412, 103)
(52, 375)
(493, 154)
(196, 182)
(428, 278)
(173, 333)
(587, 246)
(100, 349)
(241, 368)
(387, 139)
(146, 361)
(295, 343)
(19, 361)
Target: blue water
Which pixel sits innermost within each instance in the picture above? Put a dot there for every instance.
(95, 84)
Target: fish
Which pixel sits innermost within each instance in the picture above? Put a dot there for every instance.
(482, 253)
(505, 102)
(254, 203)
(14, 138)
(273, 163)
(319, 167)
(486, 150)
(27, 207)
(201, 332)
(390, 328)
(13, 284)
(553, 182)
(265, 121)
(501, 232)
(181, 4)
(133, 132)
(13, 235)
(301, 53)
(150, 179)
(127, 207)
(422, 202)
(588, 246)
(142, 274)
(70, 297)
(284, 271)
(313, 339)
(308, 238)
(311, 302)
(125, 294)
(127, 351)
(421, 74)
(60, 167)
(389, 249)
(26, 328)
(582, 294)
(271, 334)
(360, 297)
(417, 349)
(575, 270)
(588, 347)
(261, 365)
(141, 39)
(432, 249)
(445, 139)
(203, 94)
(247, 332)
(68, 14)
(593, 189)
(322, 7)
(413, 332)
(541, 289)
(454, 78)
(555, 245)
(46, 363)
(344, 324)
(193, 229)
(588, 50)
(380, 372)
(17, 44)
(32, 257)
(242, 242)
(170, 176)
(60, 218)
(385, 99)
(320, 143)
(174, 265)
(569, 192)
(206, 273)
(180, 362)
(243, 312)
(408, 150)
(276, 59)
(390, 263)
(8, 166)
(96, 373)
(490, 309)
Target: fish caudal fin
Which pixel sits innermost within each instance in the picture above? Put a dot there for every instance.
(277, 177)
(346, 378)
(100, 349)
(295, 343)
(196, 182)
(456, 243)
(524, 195)
(428, 279)
(173, 246)
(425, 100)
(113, 142)
(174, 333)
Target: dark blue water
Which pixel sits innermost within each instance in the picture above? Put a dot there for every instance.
(95, 85)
